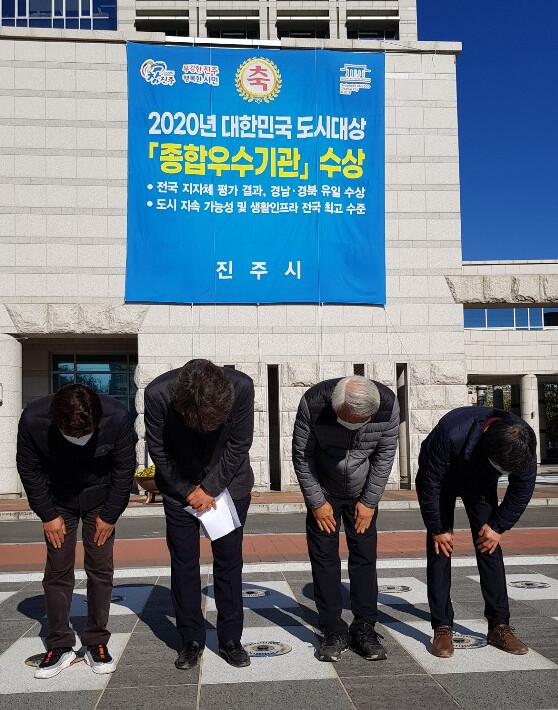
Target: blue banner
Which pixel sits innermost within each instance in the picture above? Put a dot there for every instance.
(255, 176)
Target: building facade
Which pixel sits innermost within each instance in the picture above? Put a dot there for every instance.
(63, 170)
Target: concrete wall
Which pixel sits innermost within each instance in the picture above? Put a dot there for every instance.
(62, 239)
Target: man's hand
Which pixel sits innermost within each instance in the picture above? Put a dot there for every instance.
(200, 500)
(488, 539)
(324, 517)
(444, 542)
(55, 531)
(102, 531)
(363, 517)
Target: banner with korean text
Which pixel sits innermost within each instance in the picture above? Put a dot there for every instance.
(255, 176)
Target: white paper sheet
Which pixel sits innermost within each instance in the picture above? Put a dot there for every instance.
(220, 521)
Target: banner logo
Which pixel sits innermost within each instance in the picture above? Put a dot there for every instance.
(157, 73)
(354, 78)
(258, 79)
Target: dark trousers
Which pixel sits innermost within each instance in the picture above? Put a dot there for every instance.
(183, 540)
(479, 508)
(59, 580)
(323, 549)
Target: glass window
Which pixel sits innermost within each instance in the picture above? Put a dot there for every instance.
(499, 317)
(40, 8)
(22, 8)
(550, 317)
(474, 317)
(72, 8)
(521, 318)
(107, 374)
(535, 318)
(8, 8)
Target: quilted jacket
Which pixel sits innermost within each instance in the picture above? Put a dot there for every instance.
(330, 459)
(452, 459)
(55, 472)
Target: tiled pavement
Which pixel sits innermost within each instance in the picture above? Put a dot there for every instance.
(145, 643)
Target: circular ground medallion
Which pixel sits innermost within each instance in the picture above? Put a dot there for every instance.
(463, 641)
(255, 593)
(393, 589)
(34, 661)
(263, 649)
(529, 584)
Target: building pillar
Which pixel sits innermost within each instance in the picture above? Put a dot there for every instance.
(408, 20)
(10, 410)
(530, 406)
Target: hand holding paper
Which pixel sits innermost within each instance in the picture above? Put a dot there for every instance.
(200, 500)
(220, 519)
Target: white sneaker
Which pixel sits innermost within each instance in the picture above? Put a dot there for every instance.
(54, 661)
(99, 659)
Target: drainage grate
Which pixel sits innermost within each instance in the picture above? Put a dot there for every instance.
(393, 589)
(34, 661)
(465, 642)
(262, 649)
(529, 584)
(254, 593)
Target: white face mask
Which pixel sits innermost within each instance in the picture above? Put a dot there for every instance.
(78, 440)
(353, 426)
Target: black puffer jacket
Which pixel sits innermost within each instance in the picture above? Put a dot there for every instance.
(328, 458)
(56, 472)
(451, 458)
(184, 458)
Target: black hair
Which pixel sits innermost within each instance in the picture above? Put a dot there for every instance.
(512, 445)
(203, 395)
(76, 409)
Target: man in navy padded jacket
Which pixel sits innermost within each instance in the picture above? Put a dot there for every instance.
(463, 456)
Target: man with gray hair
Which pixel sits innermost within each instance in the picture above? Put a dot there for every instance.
(344, 443)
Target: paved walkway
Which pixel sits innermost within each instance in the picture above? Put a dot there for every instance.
(282, 548)
(144, 643)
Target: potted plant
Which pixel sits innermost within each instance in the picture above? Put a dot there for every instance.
(145, 478)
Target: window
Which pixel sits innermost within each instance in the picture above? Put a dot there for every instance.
(521, 318)
(59, 14)
(106, 374)
(474, 317)
(232, 30)
(303, 30)
(499, 318)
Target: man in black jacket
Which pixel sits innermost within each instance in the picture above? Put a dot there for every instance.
(199, 422)
(463, 456)
(344, 442)
(76, 460)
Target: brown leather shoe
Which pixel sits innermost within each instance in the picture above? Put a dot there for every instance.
(502, 637)
(442, 643)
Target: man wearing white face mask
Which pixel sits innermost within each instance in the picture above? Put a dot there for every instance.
(463, 456)
(344, 443)
(76, 460)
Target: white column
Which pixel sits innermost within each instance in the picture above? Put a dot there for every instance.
(10, 410)
(530, 405)
(408, 20)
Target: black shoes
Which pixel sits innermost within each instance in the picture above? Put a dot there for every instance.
(332, 647)
(365, 642)
(234, 653)
(189, 656)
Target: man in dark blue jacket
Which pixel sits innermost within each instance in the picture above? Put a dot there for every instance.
(463, 456)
